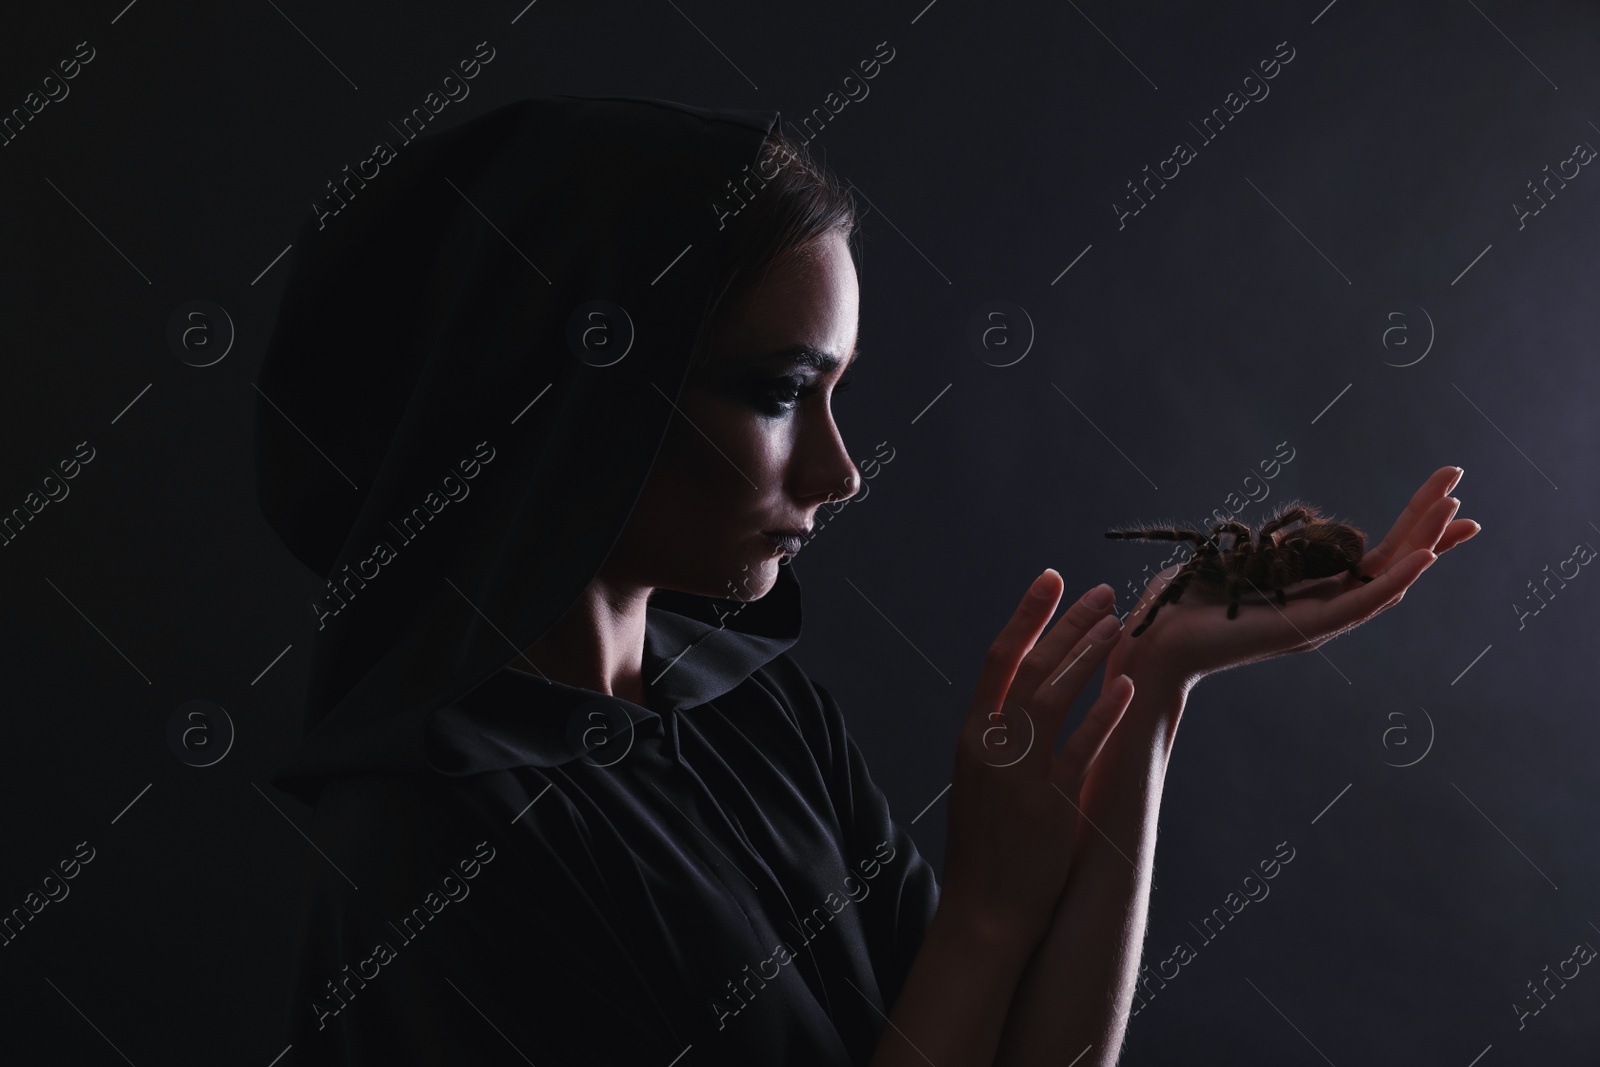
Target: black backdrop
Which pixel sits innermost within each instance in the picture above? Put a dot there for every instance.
(1345, 286)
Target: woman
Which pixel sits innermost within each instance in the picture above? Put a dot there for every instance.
(549, 410)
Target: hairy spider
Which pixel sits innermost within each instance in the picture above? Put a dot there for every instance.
(1267, 560)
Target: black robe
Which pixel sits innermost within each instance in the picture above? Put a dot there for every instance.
(506, 869)
(722, 881)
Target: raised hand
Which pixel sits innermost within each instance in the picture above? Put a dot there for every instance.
(1013, 805)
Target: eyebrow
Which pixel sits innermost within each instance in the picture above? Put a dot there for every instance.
(811, 356)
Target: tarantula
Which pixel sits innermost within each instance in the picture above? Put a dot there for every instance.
(1317, 549)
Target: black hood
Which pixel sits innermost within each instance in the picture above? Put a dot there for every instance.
(474, 367)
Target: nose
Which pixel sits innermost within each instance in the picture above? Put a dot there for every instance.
(852, 486)
(826, 469)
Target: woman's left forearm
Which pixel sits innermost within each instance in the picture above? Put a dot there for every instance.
(1062, 1005)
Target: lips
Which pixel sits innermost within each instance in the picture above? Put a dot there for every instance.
(789, 541)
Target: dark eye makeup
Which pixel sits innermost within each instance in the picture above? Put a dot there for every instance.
(778, 396)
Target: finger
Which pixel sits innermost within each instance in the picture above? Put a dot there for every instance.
(1048, 703)
(1045, 659)
(1084, 744)
(1364, 601)
(1438, 484)
(1015, 639)
(1427, 530)
(1458, 531)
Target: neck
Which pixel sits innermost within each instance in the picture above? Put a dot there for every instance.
(599, 643)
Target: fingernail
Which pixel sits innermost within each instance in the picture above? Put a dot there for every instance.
(1100, 597)
(1105, 628)
(1456, 480)
(1040, 585)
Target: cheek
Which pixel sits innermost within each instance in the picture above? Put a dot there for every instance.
(760, 447)
(723, 452)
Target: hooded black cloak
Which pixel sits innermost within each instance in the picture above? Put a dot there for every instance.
(474, 367)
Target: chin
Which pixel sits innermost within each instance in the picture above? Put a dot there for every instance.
(751, 584)
(744, 583)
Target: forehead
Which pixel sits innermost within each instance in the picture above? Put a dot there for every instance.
(807, 303)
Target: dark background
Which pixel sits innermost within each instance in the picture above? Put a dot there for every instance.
(1175, 355)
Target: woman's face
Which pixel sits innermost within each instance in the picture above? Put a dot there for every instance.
(753, 446)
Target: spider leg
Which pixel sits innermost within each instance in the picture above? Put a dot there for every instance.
(1168, 595)
(1204, 544)
(1272, 527)
(1163, 534)
(1237, 569)
(1279, 573)
(1241, 532)
(1235, 587)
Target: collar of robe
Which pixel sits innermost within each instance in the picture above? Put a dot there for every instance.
(695, 651)
(691, 656)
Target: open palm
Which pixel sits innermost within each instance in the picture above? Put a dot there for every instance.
(1193, 636)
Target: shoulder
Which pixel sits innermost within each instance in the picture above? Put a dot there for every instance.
(349, 801)
(396, 827)
(795, 688)
(808, 705)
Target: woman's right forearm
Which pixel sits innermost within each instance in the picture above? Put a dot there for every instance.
(953, 1006)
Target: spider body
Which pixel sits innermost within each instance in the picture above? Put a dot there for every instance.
(1263, 561)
